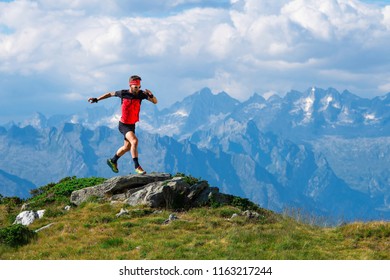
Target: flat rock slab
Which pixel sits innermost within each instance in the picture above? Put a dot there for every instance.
(117, 185)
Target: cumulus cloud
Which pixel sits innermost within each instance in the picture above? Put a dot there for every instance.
(75, 49)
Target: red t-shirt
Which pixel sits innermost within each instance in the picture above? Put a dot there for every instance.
(131, 105)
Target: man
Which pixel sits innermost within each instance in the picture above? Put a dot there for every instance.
(131, 105)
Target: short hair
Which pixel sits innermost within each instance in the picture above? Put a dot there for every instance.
(134, 78)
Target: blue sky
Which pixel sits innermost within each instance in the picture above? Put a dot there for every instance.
(56, 54)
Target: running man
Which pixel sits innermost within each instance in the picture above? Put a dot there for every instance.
(131, 105)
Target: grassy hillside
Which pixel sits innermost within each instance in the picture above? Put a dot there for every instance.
(92, 231)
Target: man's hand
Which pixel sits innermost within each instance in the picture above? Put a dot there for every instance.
(149, 93)
(151, 97)
(93, 100)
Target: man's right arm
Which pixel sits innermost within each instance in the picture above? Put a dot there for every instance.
(104, 96)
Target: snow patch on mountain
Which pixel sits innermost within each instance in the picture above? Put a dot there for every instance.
(181, 113)
(304, 105)
(254, 107)
(329, 101)
(370, 118)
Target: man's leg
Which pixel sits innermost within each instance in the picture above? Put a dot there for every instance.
(133, 140)
(113, 162)
(124, 149)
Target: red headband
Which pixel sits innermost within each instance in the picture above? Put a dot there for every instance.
(135, 83)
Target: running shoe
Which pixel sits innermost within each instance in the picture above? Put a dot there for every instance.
(139, 170)
(113, 166)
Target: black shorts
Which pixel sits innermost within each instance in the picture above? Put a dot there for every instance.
(124, 128)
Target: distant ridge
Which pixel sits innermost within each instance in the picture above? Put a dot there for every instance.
(12, 185)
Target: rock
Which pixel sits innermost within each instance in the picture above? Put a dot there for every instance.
(40, 213)
(45, 227)
(25, 207)
(201, 192)
(151, 195)
(247, 214)
(251, 214)
(117, 185)
(171, 218)
(122, 212)
(28, 217)
(173, 194)
(156, 190)
(235, 215)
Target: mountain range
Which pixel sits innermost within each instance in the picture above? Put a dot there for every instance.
(321, 151)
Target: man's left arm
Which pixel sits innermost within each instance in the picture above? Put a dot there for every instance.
(150, 96)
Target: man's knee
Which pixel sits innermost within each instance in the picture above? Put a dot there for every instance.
(134, 141)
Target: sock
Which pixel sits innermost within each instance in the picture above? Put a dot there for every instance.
(115, 159)
(136, 164)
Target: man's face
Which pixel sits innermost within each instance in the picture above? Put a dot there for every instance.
(134, 88)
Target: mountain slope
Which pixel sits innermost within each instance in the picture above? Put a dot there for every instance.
(195, 111)
(93, 233)
(11, 185)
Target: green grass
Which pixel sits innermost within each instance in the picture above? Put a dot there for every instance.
(59, 193)
(93, 232)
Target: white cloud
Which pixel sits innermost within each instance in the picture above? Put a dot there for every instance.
(386, 17)
(385, 87)
(243, 46)
(310, 18)
(222, 41)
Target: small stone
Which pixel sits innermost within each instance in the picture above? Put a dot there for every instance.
(251, 214)
(45, 227)
(171, 218)
(235, 215)
(122, 212)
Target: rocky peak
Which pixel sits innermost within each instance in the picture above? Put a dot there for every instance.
(156, 190)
